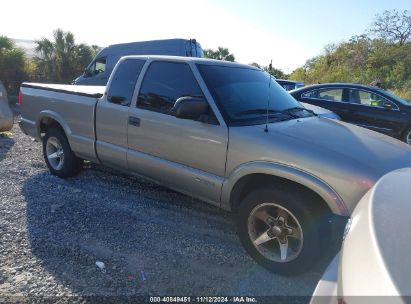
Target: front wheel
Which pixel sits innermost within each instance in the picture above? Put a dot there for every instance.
(58, 155)
(278, 229)
(407, 136)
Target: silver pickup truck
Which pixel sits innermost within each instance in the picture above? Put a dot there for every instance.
(222, 132)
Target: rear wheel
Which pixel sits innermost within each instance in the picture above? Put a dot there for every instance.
(58, 155)
(279, 231)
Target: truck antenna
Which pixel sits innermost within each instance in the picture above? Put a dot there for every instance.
(270, 67)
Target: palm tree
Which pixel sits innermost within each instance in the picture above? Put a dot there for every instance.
(62, 59)
(5, 44)
(220, 54)
(46, 66)
(12, 65)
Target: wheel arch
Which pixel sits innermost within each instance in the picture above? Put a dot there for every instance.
(48, 119)
(257, 174)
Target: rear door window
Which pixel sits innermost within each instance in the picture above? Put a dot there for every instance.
(124, 81)
(331, 94)
(325, 94)
(310, 94)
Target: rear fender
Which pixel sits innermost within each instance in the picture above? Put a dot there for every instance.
(46, 114)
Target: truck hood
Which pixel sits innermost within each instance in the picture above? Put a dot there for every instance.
(376, 151)
(349, 159)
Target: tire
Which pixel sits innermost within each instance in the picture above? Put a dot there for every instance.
(58, 155)
(269, 217)
(407, 136)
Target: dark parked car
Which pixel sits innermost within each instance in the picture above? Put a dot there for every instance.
(289, 85)
(365, 106)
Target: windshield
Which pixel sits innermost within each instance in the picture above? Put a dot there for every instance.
(392, 95)
(242, 95)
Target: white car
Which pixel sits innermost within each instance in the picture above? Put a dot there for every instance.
(6, 115)
(374, 260)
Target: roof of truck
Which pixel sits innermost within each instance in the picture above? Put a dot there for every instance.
(151, 42)
(175, 47)
(192, 59)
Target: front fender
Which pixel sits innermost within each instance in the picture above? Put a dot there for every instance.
(296, 175)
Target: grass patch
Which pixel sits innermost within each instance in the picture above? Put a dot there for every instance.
(6, 135)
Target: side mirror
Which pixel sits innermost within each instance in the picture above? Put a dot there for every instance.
(387, 105)
(87, 73)
(190, 108)
(116, 99)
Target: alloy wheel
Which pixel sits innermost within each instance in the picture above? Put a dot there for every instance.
(275, 232)
(55, 153)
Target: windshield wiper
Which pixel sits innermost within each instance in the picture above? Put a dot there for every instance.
(295, 109)
(265, 111)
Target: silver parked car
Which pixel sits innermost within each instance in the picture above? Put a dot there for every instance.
(374, 262)
(6, 115)
(225, 133)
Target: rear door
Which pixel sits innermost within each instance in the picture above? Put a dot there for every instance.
(184, 154)
(112, 114)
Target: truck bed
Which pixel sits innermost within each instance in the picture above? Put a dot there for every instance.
(88, 91)
(72, 106)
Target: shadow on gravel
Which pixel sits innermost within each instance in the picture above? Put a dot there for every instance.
(151, 240)
(6, 142)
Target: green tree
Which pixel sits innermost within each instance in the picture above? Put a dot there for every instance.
(277, 73)
(361, 60)
(220, 54)
(12, 65)
(61, 59)
(255, 64)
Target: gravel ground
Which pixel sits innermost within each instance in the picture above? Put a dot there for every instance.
(153, 241)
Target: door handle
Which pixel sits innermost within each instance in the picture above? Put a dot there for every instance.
(134, 121)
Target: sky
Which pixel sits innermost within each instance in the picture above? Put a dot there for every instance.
(286, 32)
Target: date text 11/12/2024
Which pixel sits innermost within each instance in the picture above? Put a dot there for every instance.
(203, 299)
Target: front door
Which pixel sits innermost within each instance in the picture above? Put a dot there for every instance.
(187, 155)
